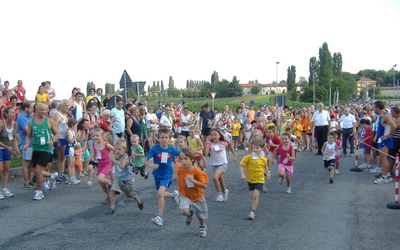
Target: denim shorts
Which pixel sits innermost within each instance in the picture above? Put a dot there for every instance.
(223, 167)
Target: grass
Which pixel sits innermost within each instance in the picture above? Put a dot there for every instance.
(16, 162)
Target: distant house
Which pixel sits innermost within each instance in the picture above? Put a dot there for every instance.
(265, 88)
(364, 82)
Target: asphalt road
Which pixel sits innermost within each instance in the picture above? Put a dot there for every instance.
(349, 214)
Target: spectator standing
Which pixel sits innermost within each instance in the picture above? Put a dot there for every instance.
(321, 121)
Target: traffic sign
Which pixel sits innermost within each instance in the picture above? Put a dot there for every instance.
(251, 103)
(213, 94)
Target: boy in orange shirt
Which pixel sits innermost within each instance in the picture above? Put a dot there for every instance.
(191, 182)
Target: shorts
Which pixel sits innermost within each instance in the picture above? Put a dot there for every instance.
(41, 158)
(223, 167)
(152, 134)
(78, 165)
(104, 169)
(177, 129)
(329, 163)
(242, 126)
(255, 186)
(185, 133)
(162, 182)
(396, 147)
(199, 159)
(4, 155)
(367, 149)
(206, 131)
(235, 138)
(136, 170)
(386, 143)
(309, 134)
(288, 169)
(127, 187)
(94, 164)
(26, 154)
(199, 207)
(62, 142)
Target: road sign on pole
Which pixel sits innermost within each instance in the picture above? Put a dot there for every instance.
(213, 97)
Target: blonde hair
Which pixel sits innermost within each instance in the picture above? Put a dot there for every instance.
(182, 137)
(107, 137)
(134, 137)
(195, 128)
(120, 143)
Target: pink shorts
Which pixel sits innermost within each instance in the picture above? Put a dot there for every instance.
(288, 169)
(104, 169)
(337, 158)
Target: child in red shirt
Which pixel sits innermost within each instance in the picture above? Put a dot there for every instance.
(366, 142)
(273, 141)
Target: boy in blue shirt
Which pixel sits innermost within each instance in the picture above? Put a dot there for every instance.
(163, 155)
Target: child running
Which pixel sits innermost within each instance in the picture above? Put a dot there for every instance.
(217, 147)
(191, 182)
(163, 155)
(329, 151)
(337, 157)
(235, 131)
(366, 142)
(256, 165)
(123, 176)
(101, 150)
(137, 153)
(197, 145)
(287, 156)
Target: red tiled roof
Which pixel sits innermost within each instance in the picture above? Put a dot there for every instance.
(365, 79)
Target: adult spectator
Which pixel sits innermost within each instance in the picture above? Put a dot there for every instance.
(99, 93)
(142, 115)
(133, 126)
(160, 107)
(20, 92)
(118, 126)
(22, 125)
(54, 108)
(60, 119)
(50, 90)
(106, 100)
(42, 145)
(42, 96)
(177, 120)
(13, 104)
(151, 126)
(104, 124)
(347, 125)
(166, 120)
(320, 121)
(73, 94)
(187, 120)
(98, 105)
(8, 147)
(251, 114)
(90, 95)
(78, 106)
(385, 130)
(206, 119)
(240, 116)
(395, 112)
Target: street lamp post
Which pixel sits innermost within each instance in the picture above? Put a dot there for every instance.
(313, 80)
(330, 93)
(394, 79)
(276, 89)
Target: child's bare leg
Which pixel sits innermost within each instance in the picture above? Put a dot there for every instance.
(161, 200)
(112, 200)
(288, 180)
(216, 179)
(254, 194)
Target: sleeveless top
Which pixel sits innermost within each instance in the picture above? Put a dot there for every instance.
(41, 98)
(396, 134)
(62, 126)
(135, 128)
(122, 174)
(6, 134)
(91, 123)
(102, 156)
(330, 150)
(383, 130)
(41, 134)
(283, 152)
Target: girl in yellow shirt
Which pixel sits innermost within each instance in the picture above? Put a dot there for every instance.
(42, 97)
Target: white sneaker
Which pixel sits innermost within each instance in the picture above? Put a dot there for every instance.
(7, 193)
(219, 197)
(383, 180)
(280, 180)
(376, 170)
(337, 171)
(175, 197)
(158, 220)
(225, 194)
(362, 166)
(45, 186)
(73, 181)
(247, 148)
(289, 190)
(252, 215)
(52, 179)
(1, 196)
(38, 195)
(90, 183)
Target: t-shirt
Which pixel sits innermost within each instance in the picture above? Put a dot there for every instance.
(122, 174)
(187, 188)
(368, 132)
(297, 129)
(255, 168)
(274, 140)
(235, 128)
(206, 116)
(164, 158)
(22, 121)
(119, 123)
(218, 153)
(138, 160)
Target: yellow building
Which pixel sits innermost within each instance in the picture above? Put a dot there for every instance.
(364, 82)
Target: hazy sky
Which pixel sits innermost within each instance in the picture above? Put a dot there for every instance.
(72, 42)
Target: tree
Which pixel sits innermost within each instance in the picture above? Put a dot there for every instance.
(89, 85)
(255, 90)
(234, 88)
(171, 83)
(325, 66)
(320, 94)
(110, 88)
(214, 78)
(162, 86)
(291, 78)
(314, 69)
(337, 62)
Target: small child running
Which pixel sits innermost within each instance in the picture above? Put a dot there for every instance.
(191, 182)
(137, 153)
(123, 176)
(163, 155)
(256, 165)
(329, 151)
(287, 156)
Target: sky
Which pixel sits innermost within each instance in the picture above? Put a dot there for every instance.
(74, 42)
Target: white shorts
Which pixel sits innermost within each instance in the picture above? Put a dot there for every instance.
(177, 129)
(199, 207)
(26, 154)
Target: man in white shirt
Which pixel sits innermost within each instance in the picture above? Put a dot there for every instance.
(187, 120)
(320, 121)
(347, 125)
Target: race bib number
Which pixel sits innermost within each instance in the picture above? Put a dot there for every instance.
(285, 161)
(42, 141)
(98, 155)
(164, 157)
(217, 148)
(189, 184)
(254, 156)
(10, 136)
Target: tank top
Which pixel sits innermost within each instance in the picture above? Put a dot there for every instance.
(102, 156)
(41, 134)
(396, 134)
(122, 174)
(283, 152)
(91, 122)
(330, 150)
(383, 130)
(41, 98)
(193, 143)
(62, 126)
(6, 134)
